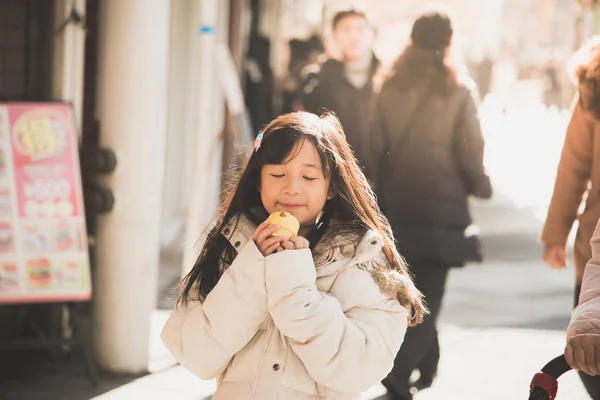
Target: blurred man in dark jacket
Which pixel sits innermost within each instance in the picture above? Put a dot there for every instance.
(346, 86)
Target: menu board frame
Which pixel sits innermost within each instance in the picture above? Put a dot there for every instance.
(44, 255)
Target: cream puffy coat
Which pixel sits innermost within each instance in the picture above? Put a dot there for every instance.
(585, 319)
(282, 328)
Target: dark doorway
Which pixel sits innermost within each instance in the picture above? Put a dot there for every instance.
(26, 38)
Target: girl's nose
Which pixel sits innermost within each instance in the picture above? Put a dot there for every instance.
(292, 186)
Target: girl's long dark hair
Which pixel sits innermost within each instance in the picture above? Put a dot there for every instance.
(353, 204)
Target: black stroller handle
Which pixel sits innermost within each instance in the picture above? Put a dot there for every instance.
(544, 385)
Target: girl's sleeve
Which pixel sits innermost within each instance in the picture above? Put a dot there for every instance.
(585, 319)
(204, 337)
(348, 339)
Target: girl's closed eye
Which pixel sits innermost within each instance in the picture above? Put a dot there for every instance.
(277, 175)
(310, 179)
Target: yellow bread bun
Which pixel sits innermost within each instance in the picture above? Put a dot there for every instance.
(288, 224)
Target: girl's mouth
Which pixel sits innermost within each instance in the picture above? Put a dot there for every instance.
(290, 206)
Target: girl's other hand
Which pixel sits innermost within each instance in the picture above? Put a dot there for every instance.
(295, 243)
(266, 243)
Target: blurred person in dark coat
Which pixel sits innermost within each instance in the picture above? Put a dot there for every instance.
(305, 55)
(346, 86)
(425, 160)
(259, 82)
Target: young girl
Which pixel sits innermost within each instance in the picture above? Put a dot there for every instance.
(319, 316)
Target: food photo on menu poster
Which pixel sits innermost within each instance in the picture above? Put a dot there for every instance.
(43, 243)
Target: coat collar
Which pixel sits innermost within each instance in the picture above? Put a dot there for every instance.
(240, 230)
(333, 69)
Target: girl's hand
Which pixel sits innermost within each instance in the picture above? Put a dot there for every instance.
(266, 243)
(295, 243)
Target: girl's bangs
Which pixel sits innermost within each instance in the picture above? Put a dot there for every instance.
(282, 146)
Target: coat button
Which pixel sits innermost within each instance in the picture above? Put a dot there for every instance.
(237, 244)
(226, 231)
(276, 367)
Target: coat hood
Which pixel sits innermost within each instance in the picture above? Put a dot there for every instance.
(584, 69)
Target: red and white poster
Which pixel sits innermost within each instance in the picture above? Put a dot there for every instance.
(43, 241)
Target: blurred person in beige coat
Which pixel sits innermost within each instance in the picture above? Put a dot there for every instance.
(578, 178)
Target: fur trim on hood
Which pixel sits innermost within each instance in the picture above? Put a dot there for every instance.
(584, 69)
(396, 285)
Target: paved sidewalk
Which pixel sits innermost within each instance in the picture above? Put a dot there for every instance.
(477, 364)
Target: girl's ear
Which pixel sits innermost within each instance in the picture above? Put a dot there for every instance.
(332, 192)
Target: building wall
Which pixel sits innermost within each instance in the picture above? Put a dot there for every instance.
(179, 135)
(535, 30)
